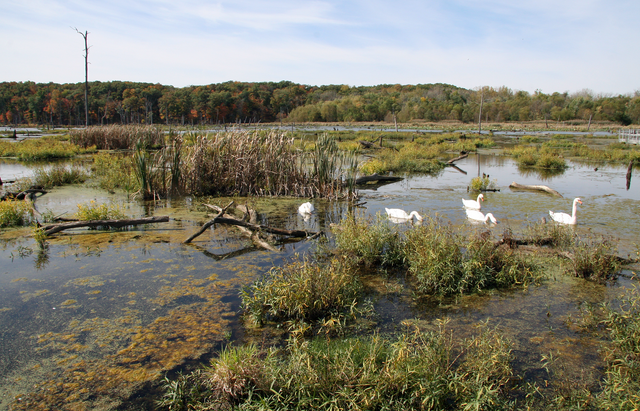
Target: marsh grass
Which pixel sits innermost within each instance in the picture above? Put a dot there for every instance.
(368, 241)
(303, 292)
(93, 211)
(420, 370)
(483, 184)
(595, 260)
(44, 148)
(15, 213)
(59, 175)
(114, 171)
(537, 157)
(553, 235)
(118, 137)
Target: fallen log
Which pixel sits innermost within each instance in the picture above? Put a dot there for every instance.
(55, 228)
(460, 157)
(535, 188)
(254, 228)
(377, 178)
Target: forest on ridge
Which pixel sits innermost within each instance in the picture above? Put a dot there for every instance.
(121, 102)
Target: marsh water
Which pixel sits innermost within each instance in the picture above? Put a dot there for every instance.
(100, 313)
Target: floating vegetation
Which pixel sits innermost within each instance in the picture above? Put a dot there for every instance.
(483, 184)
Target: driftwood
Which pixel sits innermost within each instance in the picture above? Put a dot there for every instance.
(377, 178)
(534, 187)
(367, 144)
(251, 228)
(52, 229)
(460, 157)
(629, 170)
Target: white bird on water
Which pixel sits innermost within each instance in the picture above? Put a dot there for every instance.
(564, 218)
(475, 204)
(478, 216)
(398, 214)
(306, 208)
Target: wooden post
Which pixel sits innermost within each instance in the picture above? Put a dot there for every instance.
(480, 115)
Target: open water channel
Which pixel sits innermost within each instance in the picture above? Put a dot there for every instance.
(95, 315)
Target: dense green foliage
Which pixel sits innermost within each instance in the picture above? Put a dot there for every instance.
(237, 102)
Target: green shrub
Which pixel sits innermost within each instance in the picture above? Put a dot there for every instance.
(595, 260)
(93, 211)
(15, 213)
(59, 175)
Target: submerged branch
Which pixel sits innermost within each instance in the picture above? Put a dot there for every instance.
(52, 229)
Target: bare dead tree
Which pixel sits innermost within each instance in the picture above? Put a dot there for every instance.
(86, 76)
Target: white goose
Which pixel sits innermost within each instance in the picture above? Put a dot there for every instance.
(398, 214)
(564, 218)
(478, 216)
(475, 204)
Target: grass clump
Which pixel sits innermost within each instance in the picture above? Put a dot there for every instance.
(15, 213)
(595, 260)
(536, 157)
(303, 292)
(441, 262)
(93, 211)
(422, 370)
(59, 175)
(483, 184)
(368, 242)
(553, 235)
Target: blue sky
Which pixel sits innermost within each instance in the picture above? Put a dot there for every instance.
(559, 45)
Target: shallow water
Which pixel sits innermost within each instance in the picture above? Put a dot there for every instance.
(106, 311)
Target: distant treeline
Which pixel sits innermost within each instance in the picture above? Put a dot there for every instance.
(236, 102)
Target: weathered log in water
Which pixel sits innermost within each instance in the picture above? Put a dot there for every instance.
(252, 229)
(535, 188)
(31, 193)
(629, 170)
(377, 178)
(55, 228)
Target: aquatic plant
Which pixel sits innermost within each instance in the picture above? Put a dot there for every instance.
(553, 235)
(483, 184)
(303, 291)
(537, 157)
(43, 148)
(419, 370)
(59, 175)
(595, 259)
(118, 137)
(368, 242)
(114, 171)
(103, 211)
(15, 213)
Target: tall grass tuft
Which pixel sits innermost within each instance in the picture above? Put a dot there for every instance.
(595, 260)
(44, 148)
(368, 242)
(93, 211)
(302, 292)
(59, 175)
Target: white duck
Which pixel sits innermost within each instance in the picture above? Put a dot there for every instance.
(564, 218)
(475, 204)
(398, 214)
(478, 216)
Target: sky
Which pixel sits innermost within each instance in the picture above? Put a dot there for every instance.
(547, 45)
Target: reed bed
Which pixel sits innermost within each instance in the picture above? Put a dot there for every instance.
(118, 137)
(260, 163)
